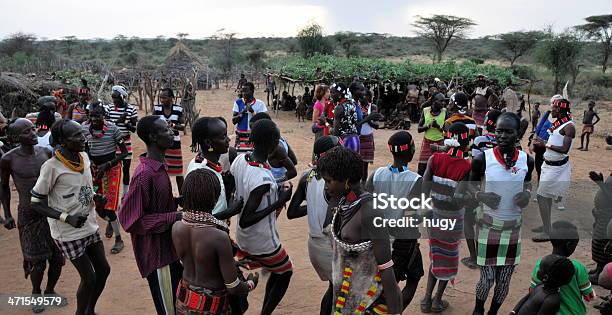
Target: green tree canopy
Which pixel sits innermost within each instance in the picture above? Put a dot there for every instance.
(516, 44)
(311, 41)
(599, 27)
(441, 30)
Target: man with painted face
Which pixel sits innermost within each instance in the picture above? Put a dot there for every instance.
(244, 109)
(64, 193)
(557, 169)
(148, 212)
(507, 174)
(23, 164)
(432, 123)
(124, 116)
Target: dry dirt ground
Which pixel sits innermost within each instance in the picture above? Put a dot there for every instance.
(127, 293)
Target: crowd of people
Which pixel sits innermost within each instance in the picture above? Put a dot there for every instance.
(71, 169)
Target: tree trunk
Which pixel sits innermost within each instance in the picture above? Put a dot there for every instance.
(604, 65)
(439, 57)
(556, 84)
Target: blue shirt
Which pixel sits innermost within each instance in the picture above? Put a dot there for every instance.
(541, 130)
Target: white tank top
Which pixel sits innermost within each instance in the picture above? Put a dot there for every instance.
(316, 205)
(221, 204)
(398, 184)
(556, 139)
(506, 183)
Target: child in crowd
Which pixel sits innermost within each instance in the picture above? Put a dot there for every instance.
(545, 298)
(564, 238)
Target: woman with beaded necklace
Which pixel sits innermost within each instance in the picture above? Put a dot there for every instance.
(361, 272)
(203, 244)
(103, 139)
(64, 193)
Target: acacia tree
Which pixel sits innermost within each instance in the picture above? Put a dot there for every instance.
(311, 41)
(441, 30)
(18, 42)
(560, 53)
(516, 44)
(226, 57)
(599, 27)
(182, 36)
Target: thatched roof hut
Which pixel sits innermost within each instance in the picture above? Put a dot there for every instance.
(181, 60)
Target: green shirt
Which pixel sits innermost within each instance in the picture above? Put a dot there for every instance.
(434, 134)
(573, 293)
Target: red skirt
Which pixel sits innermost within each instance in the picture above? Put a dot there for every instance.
(426, 152)
(109, 186)
(366, 147)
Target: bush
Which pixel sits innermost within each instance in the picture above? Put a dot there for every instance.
(524, 72)
(477, 61)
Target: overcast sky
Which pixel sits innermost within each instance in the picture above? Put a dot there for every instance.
(202, 18)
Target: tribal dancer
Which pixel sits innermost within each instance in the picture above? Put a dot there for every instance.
(148, 212)
(482, 96)
(507, 182)
(23, 164)
(173, 114)
(243, 110)
(346, 116)
(431, 123)
(442, 177)
(256, 232)
(557, 169)
(77, 111)
(103, 139)
(363, 277)
(203, 244)
(397, 180)
(210, 142)
(124, 116)
(64, 193)
(311, 188)
(366, 134)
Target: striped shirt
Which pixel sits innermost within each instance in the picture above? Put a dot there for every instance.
(105, 142)
(175, 115)
(147, 213)
(114, 113)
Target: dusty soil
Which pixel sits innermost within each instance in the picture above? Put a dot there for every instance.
(127, 293)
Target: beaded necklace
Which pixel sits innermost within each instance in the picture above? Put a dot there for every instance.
(202, 219)
(214, 166)
(73, 166)
(257, 164)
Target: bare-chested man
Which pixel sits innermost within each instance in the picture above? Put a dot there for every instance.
(23, 164)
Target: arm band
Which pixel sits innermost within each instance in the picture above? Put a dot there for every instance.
(386, 265)
(233, 284)
(63, 216)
